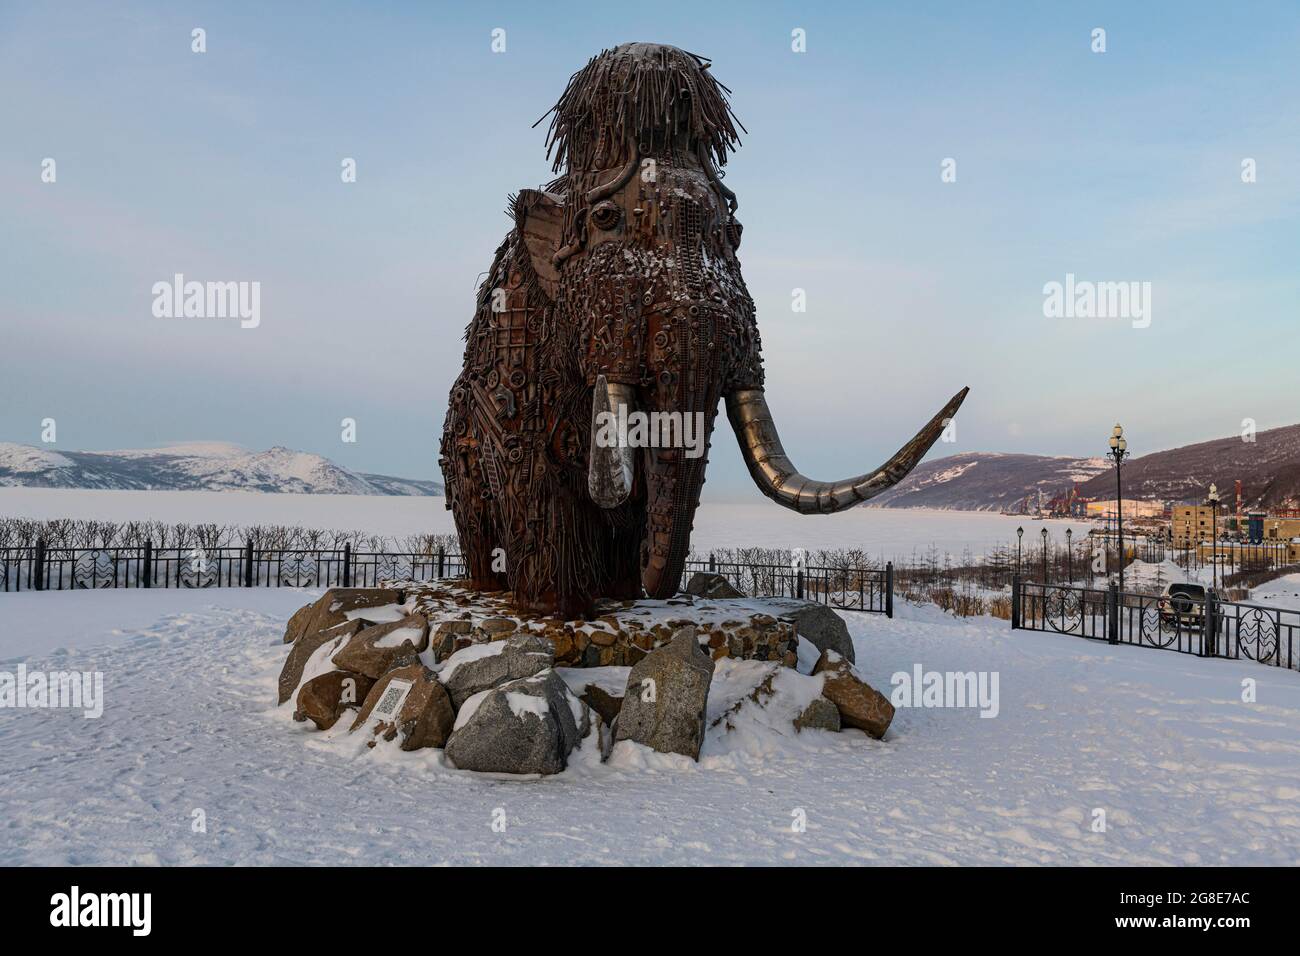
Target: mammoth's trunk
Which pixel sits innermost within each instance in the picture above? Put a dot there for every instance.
(672, 447)
(674, 481)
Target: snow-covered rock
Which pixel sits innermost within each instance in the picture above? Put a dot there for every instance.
(819, 625)
(759, 698)
(374, 650)
(311, 654)
(708, 585)
(525, 726)
(667, 697)
(484, 666)
(410, 704)
(327, 697)
(860, 705)
(343, 604)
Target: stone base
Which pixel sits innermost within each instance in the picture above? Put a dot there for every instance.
(622, 633)
(502, 690)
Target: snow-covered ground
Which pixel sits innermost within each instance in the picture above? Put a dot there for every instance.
(718, 524)
(1284, 592)
(1184, 770)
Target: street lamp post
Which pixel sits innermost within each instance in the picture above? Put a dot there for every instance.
(1044, 556)
(1119, 451)
(1213, 498)
(1069, 555)
(1020, 534)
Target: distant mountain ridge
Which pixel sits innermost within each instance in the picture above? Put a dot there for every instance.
(1268, 468)
(986, 481)
(197, 466)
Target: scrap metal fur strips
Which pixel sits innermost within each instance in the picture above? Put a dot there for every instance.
(619, 275)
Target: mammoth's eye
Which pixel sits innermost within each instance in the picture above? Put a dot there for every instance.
(606, 215)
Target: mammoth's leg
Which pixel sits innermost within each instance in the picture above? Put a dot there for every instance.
(552, 568)
(474, 526)
(622, 530)
(570, 553)
(471, 507)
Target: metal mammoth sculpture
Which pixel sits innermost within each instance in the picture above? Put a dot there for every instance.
(617, 299)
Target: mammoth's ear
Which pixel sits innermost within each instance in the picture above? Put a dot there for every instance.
(539, 219)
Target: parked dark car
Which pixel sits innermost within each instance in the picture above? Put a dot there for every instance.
(1183, 605)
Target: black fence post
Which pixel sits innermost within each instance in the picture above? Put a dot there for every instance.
(889, 589)
(38, 565)
(442, 561)
(1210, 625)
(798, 584)
(248, 563)
(713, 564)
(146, 565)
(347, 564)
(1112, 613)
(1015, 602)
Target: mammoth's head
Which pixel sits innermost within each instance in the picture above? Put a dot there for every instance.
(638, 137)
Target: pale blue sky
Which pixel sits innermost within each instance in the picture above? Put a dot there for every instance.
(225, 165)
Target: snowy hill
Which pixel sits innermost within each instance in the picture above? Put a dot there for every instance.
(1268, 468)
(196, 466)
(987, 481)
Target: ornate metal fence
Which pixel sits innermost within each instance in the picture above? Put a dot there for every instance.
(61, 569)
(848, 589)
(1204, 626)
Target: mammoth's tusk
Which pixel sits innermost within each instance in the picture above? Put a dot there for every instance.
(612, 463)
(777, 478)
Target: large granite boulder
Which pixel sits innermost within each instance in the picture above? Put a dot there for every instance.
(481, 667)
(376, 649)
(860, 705)
(706, 584)
(327, 697)
(317, 648)
(821, 626)
(667, 697)
(334, 607)
(412, 705)
(530, 725)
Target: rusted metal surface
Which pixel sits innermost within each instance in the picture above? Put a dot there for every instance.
(622, 273)
(778, 478)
